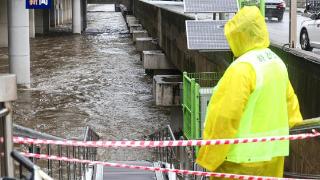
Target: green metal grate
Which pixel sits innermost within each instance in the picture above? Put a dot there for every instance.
(193, 85)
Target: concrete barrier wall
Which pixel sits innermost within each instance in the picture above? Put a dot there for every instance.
(304, 73)
(169, 28)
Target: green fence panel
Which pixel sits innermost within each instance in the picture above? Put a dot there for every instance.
(196, 122)
(187, 100)
(192, 84)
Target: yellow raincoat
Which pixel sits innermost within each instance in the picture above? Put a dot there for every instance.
(246, 31)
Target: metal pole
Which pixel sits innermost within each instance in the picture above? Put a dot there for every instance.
(293, 24)
(8, 93)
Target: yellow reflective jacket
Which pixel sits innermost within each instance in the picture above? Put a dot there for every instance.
(246, 31)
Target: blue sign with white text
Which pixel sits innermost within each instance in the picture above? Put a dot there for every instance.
(38, 4)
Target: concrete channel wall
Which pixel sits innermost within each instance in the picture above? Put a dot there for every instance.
(168, 27)
(304, 73)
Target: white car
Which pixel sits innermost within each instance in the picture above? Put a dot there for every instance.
(310, 33)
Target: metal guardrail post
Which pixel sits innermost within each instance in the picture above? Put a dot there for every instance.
(8, 93)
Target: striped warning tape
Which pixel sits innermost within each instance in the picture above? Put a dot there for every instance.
(164, 170)
(149, 144)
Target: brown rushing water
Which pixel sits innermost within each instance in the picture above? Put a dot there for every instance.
(93, 79)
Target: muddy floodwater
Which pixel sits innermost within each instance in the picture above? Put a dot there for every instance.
(94, 79)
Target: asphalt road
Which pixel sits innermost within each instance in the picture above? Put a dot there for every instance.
(279, 31)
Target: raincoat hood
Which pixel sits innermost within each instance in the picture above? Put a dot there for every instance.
(247, 31)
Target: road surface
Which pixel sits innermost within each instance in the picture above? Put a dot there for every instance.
(279, 31)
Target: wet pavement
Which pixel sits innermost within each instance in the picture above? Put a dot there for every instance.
(279, 31)
(93, 79)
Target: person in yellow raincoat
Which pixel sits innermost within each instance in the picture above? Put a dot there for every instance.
(254, 98)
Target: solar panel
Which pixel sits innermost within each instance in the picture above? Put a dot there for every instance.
(206, 35)
(209, 6)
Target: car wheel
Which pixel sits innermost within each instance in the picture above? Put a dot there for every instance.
(304, 41)
(280, 18)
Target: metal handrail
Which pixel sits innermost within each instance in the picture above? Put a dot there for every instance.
(25, 162)
(89, 153)
(184, 157)
(4, 112)
(164, 154)
(60, 170)
(34, 171)
(306, 126)
(175, 157)
(27, 132)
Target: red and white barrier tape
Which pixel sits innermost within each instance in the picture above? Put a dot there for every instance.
(164, 170)
(148, 144)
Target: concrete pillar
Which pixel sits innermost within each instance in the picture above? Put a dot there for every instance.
(42, 21)
(69, 9)
(61, 9)
(76, 17)
(166, 90)
(130, 18)
(19, 43)
(156, 60)
(65, 11)
(57, 13)
(139, 34)
(52, 13)
(133, 21)
(84, 14)
(145, 44)
(32, 28)
(3, 24)
(135, 27)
